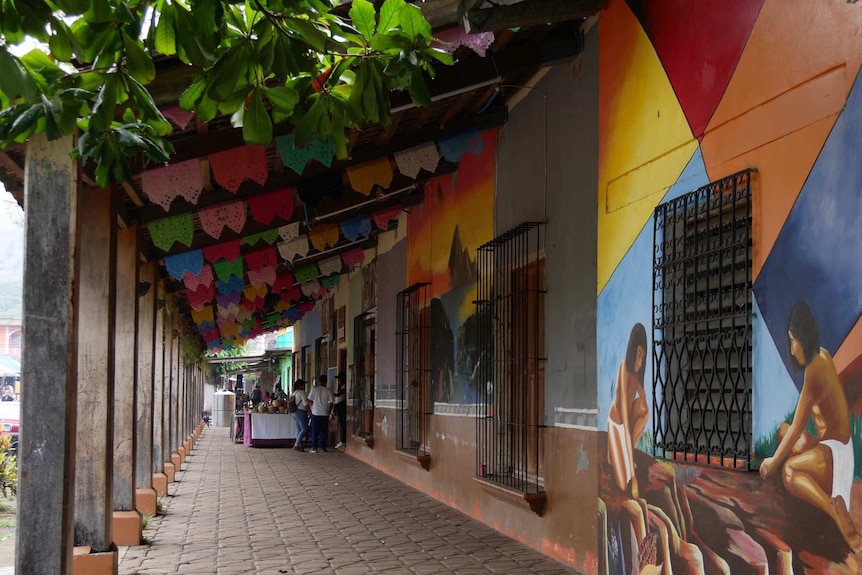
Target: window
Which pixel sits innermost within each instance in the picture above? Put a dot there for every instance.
(363, 389)
(414, 407)
(321, 355)
(510, 312)
(305, 364)
(702, 325)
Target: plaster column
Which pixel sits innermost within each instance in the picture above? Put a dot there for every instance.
(160, 477)
(46, 452)
(96, 284)
(145, 494)
(127, 521)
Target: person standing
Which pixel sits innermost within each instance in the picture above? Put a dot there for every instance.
(341, 409)
(300, 415)
(321, 400)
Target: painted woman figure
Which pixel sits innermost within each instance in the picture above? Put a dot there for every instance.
(628, 413)
(817, 470)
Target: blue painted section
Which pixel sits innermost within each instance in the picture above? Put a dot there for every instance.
(818, 254)
(775, 395)
(627, 298)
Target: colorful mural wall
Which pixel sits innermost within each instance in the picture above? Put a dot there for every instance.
(691, 92)
(443, 234)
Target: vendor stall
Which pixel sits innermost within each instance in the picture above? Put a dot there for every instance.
(269, 429)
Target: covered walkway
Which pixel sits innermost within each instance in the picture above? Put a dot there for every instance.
(237, 510)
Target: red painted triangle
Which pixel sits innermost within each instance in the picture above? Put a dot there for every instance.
(699, 44)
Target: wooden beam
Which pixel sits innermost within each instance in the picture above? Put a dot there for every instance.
(7, 162)
(530, 13)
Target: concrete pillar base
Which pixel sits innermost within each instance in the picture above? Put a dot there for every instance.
(182, 452)
(187, 445)
(170, 472)
(176, 460)
(145, 501)
(126, 528)
(160, 484)
(86, 563)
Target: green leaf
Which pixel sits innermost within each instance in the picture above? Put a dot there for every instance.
(283, 101)
(308, 33)
(99, 12)
(105, 105)
(147, 108)
(193, 94)
(419, 90)
(71, 7)
(207, 108)
(17, 83)
(439, 55)
(389, 15)
(60, 42)
(413, 23)
(88, 143)
(165, 40)
(362, 14)
(390, 44)
(140, 64)
(256, 123)
(307, 126)
(38, 63)
(227, 72)
(52, 126)
(23, 125)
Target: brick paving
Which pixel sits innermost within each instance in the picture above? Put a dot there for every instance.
(312, 513)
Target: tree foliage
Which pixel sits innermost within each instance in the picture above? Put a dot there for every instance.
(259, 61)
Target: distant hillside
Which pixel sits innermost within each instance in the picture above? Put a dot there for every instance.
(11, 256)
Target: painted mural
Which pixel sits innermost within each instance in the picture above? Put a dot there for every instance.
(691, 92)
(441, 249)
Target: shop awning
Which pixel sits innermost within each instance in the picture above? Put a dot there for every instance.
(9, 367)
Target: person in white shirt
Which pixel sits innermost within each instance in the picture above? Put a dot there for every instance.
(321, 400)
(300, 415)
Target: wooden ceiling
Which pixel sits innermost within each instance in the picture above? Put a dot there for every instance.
(470, 95)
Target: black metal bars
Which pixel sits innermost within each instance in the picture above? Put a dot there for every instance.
(510, 368)
(702, 325)
(414, 407)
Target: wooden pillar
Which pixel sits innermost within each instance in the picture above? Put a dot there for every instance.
(126, 519)
(160, 479)
(46, 452)
(167, 405)
(176, 377)
(145, 494)
(95, 328)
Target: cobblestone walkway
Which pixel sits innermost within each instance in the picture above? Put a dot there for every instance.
(321, 513)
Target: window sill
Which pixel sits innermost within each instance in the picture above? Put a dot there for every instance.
(422, 460)
(366, 440)
(535, 502)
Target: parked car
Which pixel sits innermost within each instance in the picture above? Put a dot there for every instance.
(10, 420)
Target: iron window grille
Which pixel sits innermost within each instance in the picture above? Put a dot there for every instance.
(510, 310)
(305, 366)
(413, 359)
(364, 361)
(702, 305)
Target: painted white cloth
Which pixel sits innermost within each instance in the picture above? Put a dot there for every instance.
(619, 431)
(843, 462)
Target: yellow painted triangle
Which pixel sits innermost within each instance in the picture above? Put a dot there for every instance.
(644, 139)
